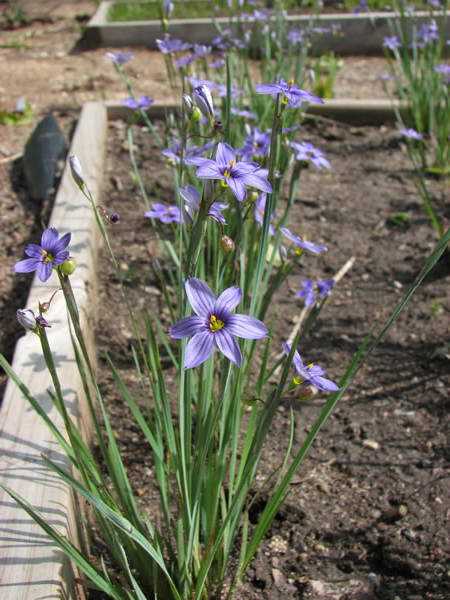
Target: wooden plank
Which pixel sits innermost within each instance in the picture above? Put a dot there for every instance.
(356, 112)
(31, 567)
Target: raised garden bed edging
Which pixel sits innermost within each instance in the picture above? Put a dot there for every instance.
(346, 110)
(360, 34)
(31, 567)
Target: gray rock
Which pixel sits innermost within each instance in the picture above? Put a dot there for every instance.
(43, 149)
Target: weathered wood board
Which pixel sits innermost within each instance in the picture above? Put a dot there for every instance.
(31, 567)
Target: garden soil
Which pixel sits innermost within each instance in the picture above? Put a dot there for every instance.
(367, 516)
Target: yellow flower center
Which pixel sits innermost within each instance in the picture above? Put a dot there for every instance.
(297, 380)
(227, 172)
(291, 82)
(215, 324)
(46, 256)
(298, 251)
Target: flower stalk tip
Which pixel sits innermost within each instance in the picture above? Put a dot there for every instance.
(77, 171)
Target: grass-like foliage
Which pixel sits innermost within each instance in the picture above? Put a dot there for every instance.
(237, 155)
(416, 53)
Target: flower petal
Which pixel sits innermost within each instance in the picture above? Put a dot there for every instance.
(237, 187)
(33, 250)
(228, 300)
(258, 180)
(289, 235)
(44, 270)
(200, 297)
(297, 359)
(228, 346)
(191, 196)
(26, 266)
(246, 327)
(313, 248)
(199, 349)
(324, 384)
(224, 154)
(61, 257)
(49, 238)
(186, 327)
(62, 243)
(209, 170)
(195, 161)
(268, 88)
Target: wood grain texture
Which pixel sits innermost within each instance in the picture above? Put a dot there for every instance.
(31, 567)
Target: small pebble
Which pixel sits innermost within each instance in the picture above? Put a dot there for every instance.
(372, 444)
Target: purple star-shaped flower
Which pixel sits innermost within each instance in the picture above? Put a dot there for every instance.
(214, 325)
(310, 374)
(295, 36)
(306, 152)
(324, 286)
(173, 154)
(308, 291)
(50, 253)
(138, 103)
(201, 50)
(444, 71)
(303, 244)
(391, 42)
(119, 58)
(428, 33)
(166, 213)
(291, 95)
(171, 45)
(257, 143)
(411, 134)
(237, 175)
(225, 41)
(184, 61)
(218, 63)
(191, 197)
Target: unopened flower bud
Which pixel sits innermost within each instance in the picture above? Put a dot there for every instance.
(26, 318)
(44, 307)
(227, 244)
(42, 322)
(114, 217)
(68, 266)
(188, 104)
(204, 101)
(168, 7)
(196, 114)
(77, 171)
